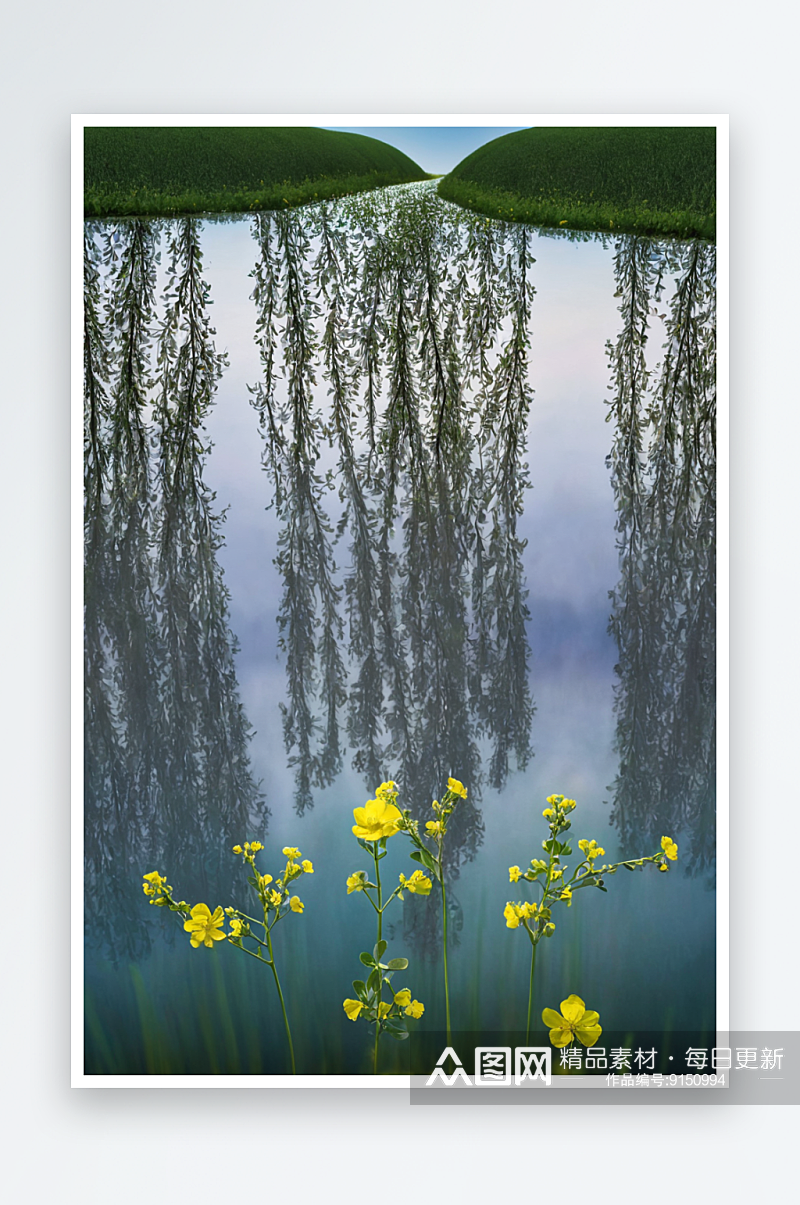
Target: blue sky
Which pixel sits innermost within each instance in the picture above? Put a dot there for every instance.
(437, 149)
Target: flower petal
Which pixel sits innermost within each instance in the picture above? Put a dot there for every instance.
(560, 1037)
(588, 1034)
(552, 1019)
(573, 1009)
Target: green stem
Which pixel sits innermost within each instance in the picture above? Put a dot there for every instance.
(283, 1005)
(444, 947)
(530, 993)
(380, 977)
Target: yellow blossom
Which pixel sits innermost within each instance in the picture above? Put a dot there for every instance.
(275, 898)
(376, 819)
(384, 1008)
(670, 848)
(308, 867)
(356, 882)
(414, 1009)
(386, 788)
(418, 884)
(296, 904)
(205, 927)
(289, 851)
(434, 827)
(574, 1021)
(237, 927)
(403, 997)
(591, 849)
(510, 913)
(265, 879)
(353, 1008)
(154, 883)
(514, 874)
(255, 846)
(237, 849)
(457, 787)
(566, 894)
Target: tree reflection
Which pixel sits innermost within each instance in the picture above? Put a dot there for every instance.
(416, 317)
(663, 465)
(167, 774)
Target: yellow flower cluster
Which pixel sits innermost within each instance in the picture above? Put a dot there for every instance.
(155, 885)
(670, 848)
(591, 850)
(402, 1000)
(559, 807)
(418, 884)
(457, 787)
(514, 913)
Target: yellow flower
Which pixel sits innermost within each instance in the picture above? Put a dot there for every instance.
(418, 884)
(289, 851)
(275, 898)
(265, 879)
(237, 849)
(457, 787)
(566, 894)
(514, 874)
(205, 927)
(403, 997)
(376, 819)
(236, 927)
(434, 827)
(384, 1008)
(547, 813)
(353, 1008)
(308, 867)
(296, 904)
(356, 882)
(386, 788)
(255, 846)
(670, 848)
(573, 1022)
(514, 913)
(154, 883)
(414, 1009)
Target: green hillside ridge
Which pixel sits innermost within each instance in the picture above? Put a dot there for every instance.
(646, 180)
(161, 170)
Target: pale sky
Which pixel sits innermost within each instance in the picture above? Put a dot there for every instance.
(437, 149)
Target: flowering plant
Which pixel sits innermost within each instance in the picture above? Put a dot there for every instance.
(375, 823)
(558, 885)
(249, 934)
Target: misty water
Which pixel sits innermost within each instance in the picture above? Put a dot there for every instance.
(384, 489)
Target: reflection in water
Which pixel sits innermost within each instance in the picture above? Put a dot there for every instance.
(167, 778)
(663, 464)
(398, 304)
(393, 400)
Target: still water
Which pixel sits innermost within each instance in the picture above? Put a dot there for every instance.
(382, 489)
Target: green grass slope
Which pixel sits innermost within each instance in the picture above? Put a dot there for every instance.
(648, 180)
(176, 169)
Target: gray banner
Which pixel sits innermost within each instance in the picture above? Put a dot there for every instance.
(737, 1068)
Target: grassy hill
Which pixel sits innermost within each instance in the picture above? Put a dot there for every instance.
(176, 169)
(649, 180)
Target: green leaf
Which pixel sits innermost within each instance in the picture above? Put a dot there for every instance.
(398, 964)
(379, 950)
(364, 845)
(400, 1035)
(565, 849)
(367, 959)
(374, 981)
(360, 988)
(427, 860)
